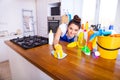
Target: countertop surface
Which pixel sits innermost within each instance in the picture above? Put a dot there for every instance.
(75, 66)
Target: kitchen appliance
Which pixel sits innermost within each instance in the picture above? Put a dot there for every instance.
(55, 11)
(53, 23)
(28, 42)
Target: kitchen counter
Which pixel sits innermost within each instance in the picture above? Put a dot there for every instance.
(75, 65)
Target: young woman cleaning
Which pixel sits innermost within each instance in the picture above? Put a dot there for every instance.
(68, 32)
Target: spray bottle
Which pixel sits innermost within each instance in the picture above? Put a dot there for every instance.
(69, 16)
(111, 28)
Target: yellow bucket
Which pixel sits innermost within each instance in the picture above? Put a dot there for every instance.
(108, 46)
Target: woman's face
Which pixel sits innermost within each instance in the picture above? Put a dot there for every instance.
(72, 30)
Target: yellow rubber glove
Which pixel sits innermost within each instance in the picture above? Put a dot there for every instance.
(72, 44)
(58, 53)
(79, 43)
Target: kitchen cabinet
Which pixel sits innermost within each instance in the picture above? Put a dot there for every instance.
(73, 7)
(3, 52)
(41, 6)
(76, 65)
(3, 48)
(21, 69)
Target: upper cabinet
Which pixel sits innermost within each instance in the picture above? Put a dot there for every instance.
(54, 8)
(65, 6)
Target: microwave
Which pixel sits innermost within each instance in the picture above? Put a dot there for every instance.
(55, 11)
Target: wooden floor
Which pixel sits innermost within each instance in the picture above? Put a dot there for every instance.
(5, 71)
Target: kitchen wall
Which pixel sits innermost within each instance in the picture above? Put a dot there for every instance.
(11, 13)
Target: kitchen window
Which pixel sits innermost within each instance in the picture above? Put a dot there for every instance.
(99, 11)
(88, 12)
(107, 12)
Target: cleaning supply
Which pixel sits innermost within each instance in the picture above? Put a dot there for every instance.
(108, 46)
(86, 26)
(90, 32)
(95, 53)
(79, 43)
(64, 18)
(94, 42)
(82, 26)
(58, 52)
(89, 43)
(72, 44)
(100, 33)
(81, 40)
(111, 28)
(69, 16)
(85, 36)
(51, 37)
(86, 50)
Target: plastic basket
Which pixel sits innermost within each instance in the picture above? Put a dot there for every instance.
(108, 46)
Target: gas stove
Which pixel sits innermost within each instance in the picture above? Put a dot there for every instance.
(28, 42)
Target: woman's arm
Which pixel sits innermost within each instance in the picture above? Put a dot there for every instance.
(57, 36)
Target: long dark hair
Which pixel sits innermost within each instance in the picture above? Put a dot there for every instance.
(76, 20)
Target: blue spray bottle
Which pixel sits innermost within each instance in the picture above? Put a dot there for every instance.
(69, 15)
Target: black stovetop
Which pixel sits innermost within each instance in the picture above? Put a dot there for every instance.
(28, 42)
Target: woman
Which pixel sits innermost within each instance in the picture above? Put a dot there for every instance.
(68, 32)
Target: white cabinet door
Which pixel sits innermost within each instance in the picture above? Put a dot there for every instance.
(3, 52)
(21, 69)
(42, 17)
(4, 47)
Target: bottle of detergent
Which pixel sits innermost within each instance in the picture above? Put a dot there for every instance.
(89, 43)
(86, 26)
(69, 16)
(81, 40)
(51, 37)
(82, 27)
(90, 32)
(111, 28)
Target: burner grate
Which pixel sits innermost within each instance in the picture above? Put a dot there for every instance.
(28, 42)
